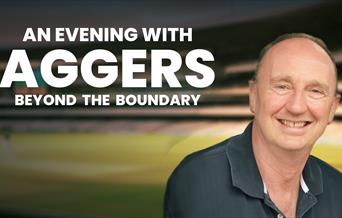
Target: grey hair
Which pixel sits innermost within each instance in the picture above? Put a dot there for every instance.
(283, 37)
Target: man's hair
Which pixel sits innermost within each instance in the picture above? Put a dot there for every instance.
(283, 37)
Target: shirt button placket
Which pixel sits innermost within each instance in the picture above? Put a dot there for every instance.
(280, 216)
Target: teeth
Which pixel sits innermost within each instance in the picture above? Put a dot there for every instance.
(293, 124)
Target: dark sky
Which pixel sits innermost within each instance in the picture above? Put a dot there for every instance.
(16, 16)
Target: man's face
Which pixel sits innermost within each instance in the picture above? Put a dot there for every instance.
(294, 97)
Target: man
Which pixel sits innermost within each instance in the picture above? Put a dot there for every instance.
(267, 171)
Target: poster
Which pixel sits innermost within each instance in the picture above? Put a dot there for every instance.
(92, 144)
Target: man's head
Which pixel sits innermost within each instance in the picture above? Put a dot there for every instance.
(293, 95)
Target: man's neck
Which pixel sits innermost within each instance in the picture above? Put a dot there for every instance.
(281, 172)
(278, 164)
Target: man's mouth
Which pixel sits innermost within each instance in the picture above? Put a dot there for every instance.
(294, 124)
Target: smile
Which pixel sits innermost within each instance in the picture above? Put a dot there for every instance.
(293, 124)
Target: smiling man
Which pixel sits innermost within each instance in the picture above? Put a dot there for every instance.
(267, 171)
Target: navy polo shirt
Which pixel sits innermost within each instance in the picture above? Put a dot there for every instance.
(224, 181)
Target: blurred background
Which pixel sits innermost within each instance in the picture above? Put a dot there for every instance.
(114, 161)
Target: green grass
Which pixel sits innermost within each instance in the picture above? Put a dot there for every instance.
(99, 175)
(84, 199)
(81, 183)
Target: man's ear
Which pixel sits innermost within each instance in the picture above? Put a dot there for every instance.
(252, 95)
(333, 108)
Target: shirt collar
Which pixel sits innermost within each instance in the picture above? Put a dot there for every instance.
(245, 173)
(243, 167)
(313, 177)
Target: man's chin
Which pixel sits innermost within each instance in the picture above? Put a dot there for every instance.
(293, 144)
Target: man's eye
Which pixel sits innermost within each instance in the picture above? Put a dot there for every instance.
(282, 87)
(317, 93)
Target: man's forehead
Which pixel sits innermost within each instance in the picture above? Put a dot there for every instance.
(296, 51)
(299, 59)
(298, 47)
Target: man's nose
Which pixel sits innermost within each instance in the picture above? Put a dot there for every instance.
(296, 103)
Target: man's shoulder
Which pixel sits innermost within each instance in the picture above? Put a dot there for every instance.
(203, 162)
(327, 169)
(210, 152)
(330, 174)
(205, 156)
(199, 183)
(201, 173)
